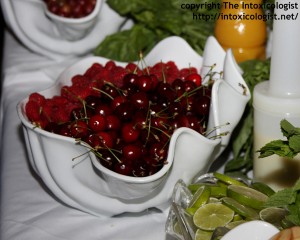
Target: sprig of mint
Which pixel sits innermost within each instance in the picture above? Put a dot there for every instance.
(288, 198)
(284, 148)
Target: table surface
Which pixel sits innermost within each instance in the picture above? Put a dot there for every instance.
(28, 209)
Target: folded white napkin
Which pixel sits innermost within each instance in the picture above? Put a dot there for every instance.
(27, 20)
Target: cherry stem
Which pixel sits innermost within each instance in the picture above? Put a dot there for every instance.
(215, 128)
(99, 90)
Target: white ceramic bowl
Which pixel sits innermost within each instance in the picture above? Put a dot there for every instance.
(73, 29)
(85, 184)
(253, 230)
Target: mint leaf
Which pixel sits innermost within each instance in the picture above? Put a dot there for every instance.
(294, 143)
(287, 128)
(278, 147)
(282, 198)
(125, 46)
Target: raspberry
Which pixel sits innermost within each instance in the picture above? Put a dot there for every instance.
(33, 110)
(133, 68)
(110, 65)
(36, 97)
(117, 76)
(93, 70)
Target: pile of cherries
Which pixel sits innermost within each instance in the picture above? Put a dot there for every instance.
(71, 8)
(126, 114)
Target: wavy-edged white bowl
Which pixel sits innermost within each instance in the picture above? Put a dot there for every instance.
(86, 185)
(73, 29)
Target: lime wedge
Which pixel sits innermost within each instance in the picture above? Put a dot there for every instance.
(202, 235)
(273, 215)
(200, 197)
(247, 196)
(212, 215)
(227, 179)
(244, 211)
(262, 187)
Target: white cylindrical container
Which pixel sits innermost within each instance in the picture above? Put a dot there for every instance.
(279, 98)
(269, 110)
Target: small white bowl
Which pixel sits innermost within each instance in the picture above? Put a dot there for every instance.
(73, 29)
(253, 230)
(85, 184)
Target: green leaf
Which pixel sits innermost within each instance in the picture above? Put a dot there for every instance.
(282, 198)
(287, 128)
(125, 7)
(126, 45)
(294, 143)
(278, 147)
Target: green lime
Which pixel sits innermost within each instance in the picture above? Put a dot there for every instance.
(244, 211)
(191, 210)
(200, 197)
(247, 196)
(234, 224)
(227, 179)
(273, 215)
(203, 235)
(177, 228)
(218, 191)
(262, 187)
(195, 186)
(237, 217)
(214, 200)
(212, 215)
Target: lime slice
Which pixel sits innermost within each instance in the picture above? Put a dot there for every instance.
(262, 187)
(247, 196)
(202, 235)
(214, 200)
(191, 210)
(246, 212)
(237, 217)
(227, 179)
(218, 191)
(195, 186)
(177, 229)
(234, 224)
(273, 215)
(200, 197)
(212, 215)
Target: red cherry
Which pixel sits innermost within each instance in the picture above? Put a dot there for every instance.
(131, 152)
(194, 77)
(106, 139)
(130, 133)
(113, 122)
(79, 129)
(97, 123)
(144, 83)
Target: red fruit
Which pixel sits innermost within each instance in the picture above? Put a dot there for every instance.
(131, 152)
(144, 83)
(123, 168)
(106, 139)
(113, 123)
(97, 123)
(79, 129)
(194, 77)
(33, 111)
(130, 133)
(38, 98)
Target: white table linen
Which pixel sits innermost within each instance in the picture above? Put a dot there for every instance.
(28, 209)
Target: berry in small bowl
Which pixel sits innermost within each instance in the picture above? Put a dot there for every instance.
(73, 19)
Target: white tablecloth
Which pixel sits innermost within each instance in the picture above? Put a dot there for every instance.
(28, 209)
